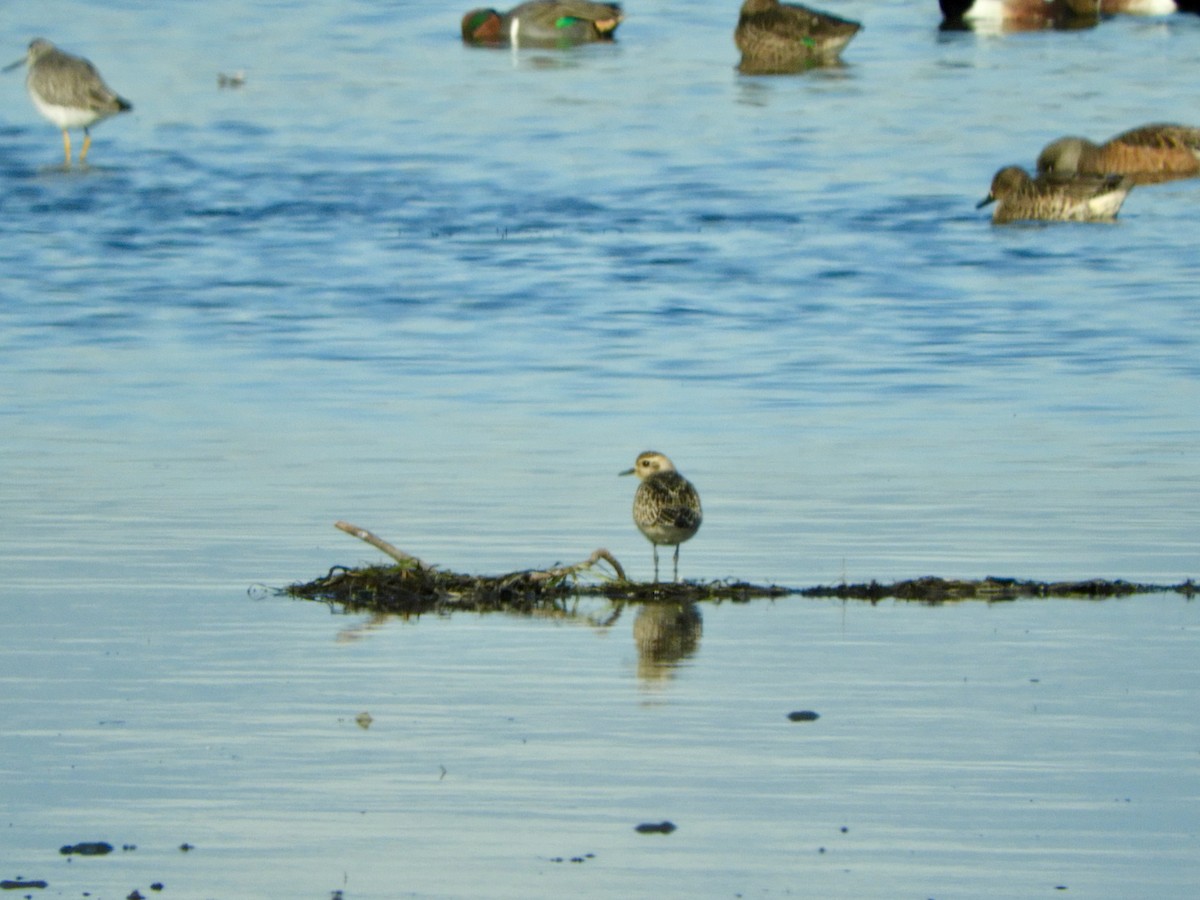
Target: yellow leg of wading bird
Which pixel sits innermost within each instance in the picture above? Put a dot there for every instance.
(666, 506)
(68, 91)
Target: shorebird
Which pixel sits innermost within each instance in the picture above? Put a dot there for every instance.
(543, 23)
(1021, 198)
(666, 507)
(780, 38)
(68, 91)
(1147, 153)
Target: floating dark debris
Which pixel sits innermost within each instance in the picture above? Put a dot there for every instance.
(413, 587)
(942, 590)
(20, 884)
(655, 828)
(412, 590)
(86, 848)
(803, 715)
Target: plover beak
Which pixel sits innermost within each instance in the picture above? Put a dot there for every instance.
(626, 472)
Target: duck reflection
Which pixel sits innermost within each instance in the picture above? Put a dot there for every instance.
(665, 634)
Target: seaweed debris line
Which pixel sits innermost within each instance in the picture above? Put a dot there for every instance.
(412, 586)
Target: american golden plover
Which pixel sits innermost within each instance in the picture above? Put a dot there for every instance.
(666, 507)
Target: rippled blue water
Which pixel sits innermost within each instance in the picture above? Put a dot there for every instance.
(449, 293)
(399, 280)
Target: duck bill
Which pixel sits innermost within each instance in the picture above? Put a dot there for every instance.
(985, 201)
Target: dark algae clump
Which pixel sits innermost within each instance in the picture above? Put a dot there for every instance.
(413, 587)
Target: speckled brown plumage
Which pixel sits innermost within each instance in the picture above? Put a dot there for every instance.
(1018, 197)
(666, 507)
(777, 38)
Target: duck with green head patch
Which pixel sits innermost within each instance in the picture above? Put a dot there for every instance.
(780, 38)
(543, 23)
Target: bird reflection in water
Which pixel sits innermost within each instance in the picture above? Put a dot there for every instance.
(665, 634)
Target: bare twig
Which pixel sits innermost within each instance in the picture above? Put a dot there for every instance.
(560, 571)
(380, 544)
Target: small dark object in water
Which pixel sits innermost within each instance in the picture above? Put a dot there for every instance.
(655, 828)
(185, 847)
(156, 886)
(135, 894)
(803, 715)
(87, 848)
(17, 884)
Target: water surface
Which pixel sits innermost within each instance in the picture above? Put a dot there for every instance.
(448, 294)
